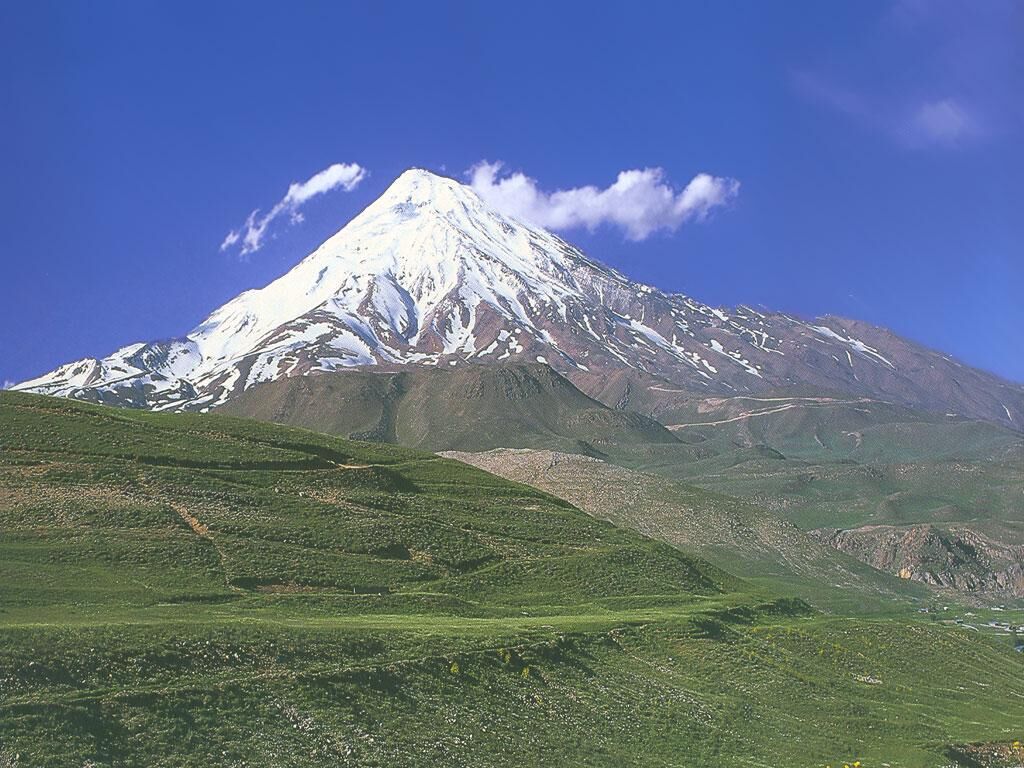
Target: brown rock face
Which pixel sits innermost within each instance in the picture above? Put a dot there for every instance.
(957, 557)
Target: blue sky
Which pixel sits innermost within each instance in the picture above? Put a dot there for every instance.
(878, 150)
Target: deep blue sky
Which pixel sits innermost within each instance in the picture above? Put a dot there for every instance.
(880, 149)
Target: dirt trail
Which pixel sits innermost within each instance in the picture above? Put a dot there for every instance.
(742, 416)
(202, 530)
(808, 402)
(354, 466)
(192, 520)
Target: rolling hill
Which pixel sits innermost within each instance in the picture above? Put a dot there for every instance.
(931, 498)
(741, 537)
(184, 589)
(467, 408)
(844, 468)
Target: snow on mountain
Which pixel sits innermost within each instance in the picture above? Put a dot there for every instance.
(428, 274)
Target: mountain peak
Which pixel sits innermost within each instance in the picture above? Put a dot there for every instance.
(416, 175)
(430, 274)
(418, 186)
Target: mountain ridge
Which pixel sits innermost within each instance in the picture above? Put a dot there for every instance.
(428, 274)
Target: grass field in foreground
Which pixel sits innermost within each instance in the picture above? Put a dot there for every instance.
(195, 590)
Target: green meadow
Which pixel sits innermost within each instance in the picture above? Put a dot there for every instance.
(201, 590)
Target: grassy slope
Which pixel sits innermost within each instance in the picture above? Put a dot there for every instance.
(474, 407)
(832, 463)
(738, 536)
(817, 460)
(197, 590)
(844, 463)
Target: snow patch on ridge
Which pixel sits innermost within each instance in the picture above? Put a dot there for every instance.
(856, 344)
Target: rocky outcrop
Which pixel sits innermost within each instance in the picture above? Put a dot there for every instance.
(956, 557)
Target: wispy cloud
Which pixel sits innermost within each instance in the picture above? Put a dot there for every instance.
(817, 88)
(639, 202)
(943, 122)
(931, 74)
(8, 384)
(251, 235)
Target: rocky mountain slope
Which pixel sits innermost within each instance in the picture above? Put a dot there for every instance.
(958, 557)
(430, 275)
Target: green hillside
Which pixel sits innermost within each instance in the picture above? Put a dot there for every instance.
(200, 590)
(816, 460)
(473, 407)
(816, 427)
(739, 536)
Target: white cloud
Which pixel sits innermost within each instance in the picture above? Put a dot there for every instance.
(230, 239)
(639, 202)
(8, 384)
(346, 176)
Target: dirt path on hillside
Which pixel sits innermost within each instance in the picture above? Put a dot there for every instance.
(203, 531)
(746, 415)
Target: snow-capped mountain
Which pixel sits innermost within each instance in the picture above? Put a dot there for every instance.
(430, 275)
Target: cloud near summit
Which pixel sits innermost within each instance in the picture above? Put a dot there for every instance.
(639, 202)
(346, 176)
